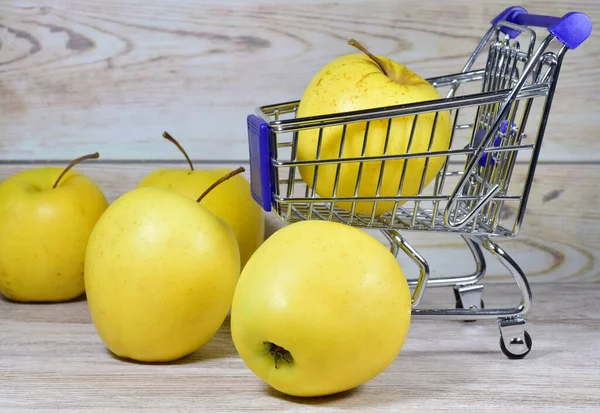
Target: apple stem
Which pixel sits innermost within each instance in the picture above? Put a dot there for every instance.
(278, 353)
(72, 164)
(168, 137)
(219, 181)
(360, 47)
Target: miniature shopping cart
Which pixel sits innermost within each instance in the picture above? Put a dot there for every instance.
(499, 112)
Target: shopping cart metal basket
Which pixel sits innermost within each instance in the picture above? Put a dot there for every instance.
(499, 110)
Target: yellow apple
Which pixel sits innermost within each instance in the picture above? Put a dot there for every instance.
(232, 200)
(320, 308)
(160, 274)
(364, 81)
(46, 217)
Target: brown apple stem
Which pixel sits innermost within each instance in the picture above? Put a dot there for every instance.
(72, 164)
(278, 353)
(172, 139)
(221, 180)
(360, 47)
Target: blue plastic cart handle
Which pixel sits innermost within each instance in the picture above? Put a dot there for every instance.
(572, 29)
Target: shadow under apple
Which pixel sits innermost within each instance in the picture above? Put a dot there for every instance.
(218, 347)
(77, 299)
(314, 401)
(404, 384)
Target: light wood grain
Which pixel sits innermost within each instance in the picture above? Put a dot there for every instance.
(559, 240)
(79, 76)
(51, 360)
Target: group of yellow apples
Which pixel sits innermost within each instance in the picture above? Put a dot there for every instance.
(317, 308)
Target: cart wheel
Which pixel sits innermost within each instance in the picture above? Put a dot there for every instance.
(469, 297)
(513, 356)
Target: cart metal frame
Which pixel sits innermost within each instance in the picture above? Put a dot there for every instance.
(473, 195)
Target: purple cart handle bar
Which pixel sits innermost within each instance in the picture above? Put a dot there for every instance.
(572, 29)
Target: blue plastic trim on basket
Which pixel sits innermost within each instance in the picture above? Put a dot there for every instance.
(497, 141)
(572, 29)
(260, 178)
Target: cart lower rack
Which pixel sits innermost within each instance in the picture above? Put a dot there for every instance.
(498, 114)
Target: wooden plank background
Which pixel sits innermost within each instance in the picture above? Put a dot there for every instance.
(78, 76)
(110, 76)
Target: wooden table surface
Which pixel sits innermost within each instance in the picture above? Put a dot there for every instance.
(51, 359)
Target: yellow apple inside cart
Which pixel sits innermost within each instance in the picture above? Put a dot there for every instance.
(364, 81)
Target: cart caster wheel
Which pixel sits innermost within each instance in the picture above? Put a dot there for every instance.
(515, 341)
(525, 346)
(469, 297)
